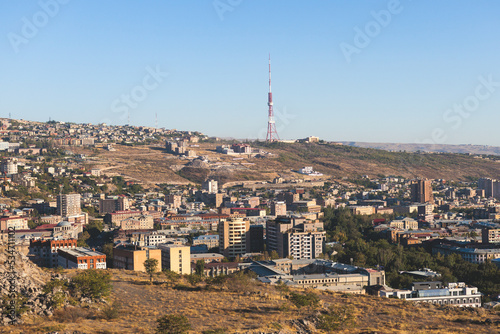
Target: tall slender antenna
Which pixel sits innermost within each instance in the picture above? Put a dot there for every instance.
(156, 121)
(272, 134)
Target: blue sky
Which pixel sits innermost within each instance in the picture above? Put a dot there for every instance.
(378, 71)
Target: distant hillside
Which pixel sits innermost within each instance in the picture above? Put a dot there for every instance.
(343, 160)
(151, 165)
(437, 148)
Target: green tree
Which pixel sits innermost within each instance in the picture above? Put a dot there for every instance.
(151, 266)
(32, 224)
(108, 250)
(82, 241)
(94, 228)
(92, 283)
(173, 324)
(200, 268)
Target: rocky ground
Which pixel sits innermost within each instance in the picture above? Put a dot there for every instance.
(28, 281)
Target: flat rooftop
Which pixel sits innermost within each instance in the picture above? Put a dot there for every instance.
(81, 251)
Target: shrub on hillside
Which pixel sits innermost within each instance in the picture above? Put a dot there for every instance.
(337, 317)
(173, 324)
(71, 314)
(306, 299)
(93, 284)
(112, 311)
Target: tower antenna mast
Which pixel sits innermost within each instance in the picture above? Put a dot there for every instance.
(272, 134)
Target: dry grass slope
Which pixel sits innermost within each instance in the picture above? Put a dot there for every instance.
(152, 165)
(252, 308)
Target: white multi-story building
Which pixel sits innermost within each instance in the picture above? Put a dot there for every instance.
(8, 167)
(154, 239)
(68, 205)
(454, 294)
(233, 237)
(210, 186)
(406, 223)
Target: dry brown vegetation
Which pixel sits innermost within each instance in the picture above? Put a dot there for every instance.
(246, 307)
(152, 165)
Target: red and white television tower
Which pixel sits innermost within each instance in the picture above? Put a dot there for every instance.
(272, 134)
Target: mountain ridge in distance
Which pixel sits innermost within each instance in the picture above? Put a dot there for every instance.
(433, 148)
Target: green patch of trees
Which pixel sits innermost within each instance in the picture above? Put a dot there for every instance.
(363, 247)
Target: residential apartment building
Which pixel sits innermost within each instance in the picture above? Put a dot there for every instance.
(490, 187)
(234, 237)
(301, 241)
(176, 258)
(211, 186)
(81, 258)
(8, 167)
(454, 294)
(108, 205)
(116, 217)
(362, 210)
(174, 200)
(305, 206)
(490, 235)
(131, 257)
(405, 224)
(256, 234)
(15, 222)
(44, 252)
(211, 241)
(68, 205)
(426, 209)
(143, 222)
(209, 224)
(251, 202)
(148, 238)
(421, 191)
(278, 209)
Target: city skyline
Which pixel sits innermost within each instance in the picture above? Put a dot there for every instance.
(378, 71)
